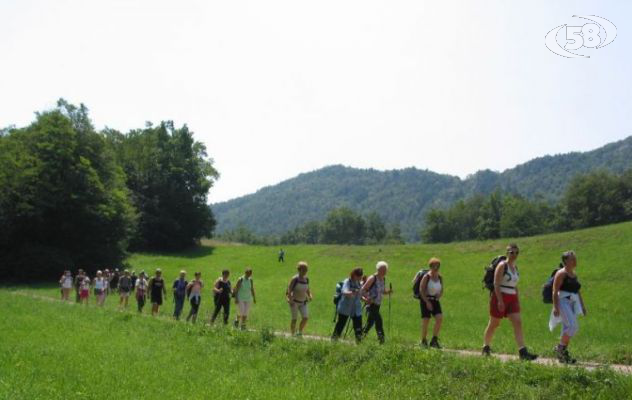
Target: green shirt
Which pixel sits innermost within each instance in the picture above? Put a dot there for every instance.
(245, 289)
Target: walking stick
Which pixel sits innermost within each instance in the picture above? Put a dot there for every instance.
(390, 290)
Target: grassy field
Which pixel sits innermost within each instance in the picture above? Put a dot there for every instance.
(52, 350)
(604, 256)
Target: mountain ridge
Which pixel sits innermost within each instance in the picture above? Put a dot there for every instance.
(403, 196)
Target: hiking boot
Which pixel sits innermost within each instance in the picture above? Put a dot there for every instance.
(434, 343)
(563, 356)
(525, 355)
(423, 343)
(487, 351)
(236, 324)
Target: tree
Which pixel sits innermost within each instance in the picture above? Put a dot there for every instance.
(344, 226)
(376, 230)
(64, 202)
(169, 174)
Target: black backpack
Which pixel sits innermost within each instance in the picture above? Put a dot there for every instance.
(547, 288)
(338, 292)
(490, 270)
(416, 281)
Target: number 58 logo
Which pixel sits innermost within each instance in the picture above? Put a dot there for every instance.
(593, 35)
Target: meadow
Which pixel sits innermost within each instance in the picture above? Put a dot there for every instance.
(55, 350)
(604, 269)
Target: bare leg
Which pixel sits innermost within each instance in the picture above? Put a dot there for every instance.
(517, 326)
(293, 327)
(437, 325)
(424, 327)
(490, 330)
(302, 325)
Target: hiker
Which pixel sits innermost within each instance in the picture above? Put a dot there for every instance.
(373, 291)
(281, 256)
(244, 298)
(100, 287)
(222, 291)
(568, 304)
(179, 293)
(78, 281)
(194, 291)
(430, 291)
(66, 283)
(133, 278)
(84, 289)
(350, 305)
(157, 290)
(504, 303)
(124, 287)
(297, 296)
(141, 290)
(114, 280)
(106, 277)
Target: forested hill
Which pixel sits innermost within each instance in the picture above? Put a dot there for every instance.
(404, 196)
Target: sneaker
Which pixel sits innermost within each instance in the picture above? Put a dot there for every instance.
(423, 343)
(434, 343)
(487, 351)
(563, 356)
(298, 334)
(525, 355)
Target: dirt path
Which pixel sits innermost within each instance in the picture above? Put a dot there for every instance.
(550, 362)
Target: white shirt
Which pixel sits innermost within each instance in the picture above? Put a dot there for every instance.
(434, 287)
(510, 279)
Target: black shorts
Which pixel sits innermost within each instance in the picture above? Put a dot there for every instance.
(156, 298)
(436, 308)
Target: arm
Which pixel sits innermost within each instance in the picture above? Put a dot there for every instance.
(346, 289)
(498, 278)
(216, 290)
(309, 294)
(365, 288)
(236, 289)
(423, 286)
(289, 292)
(252, 290)
(581, 301)
(557, 283)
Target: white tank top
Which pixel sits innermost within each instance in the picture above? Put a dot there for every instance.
(510, 280)
(67, 282)
(434, 287)
(99, 283)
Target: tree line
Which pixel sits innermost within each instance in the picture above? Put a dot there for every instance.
(73, 197)
(341, 226)
(596, 198)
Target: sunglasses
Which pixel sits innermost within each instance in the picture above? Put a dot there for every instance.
(516, 252)
(435, 266)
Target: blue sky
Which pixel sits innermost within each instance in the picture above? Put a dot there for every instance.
(277, 88)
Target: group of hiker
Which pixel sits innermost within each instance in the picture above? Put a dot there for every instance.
(354, 294)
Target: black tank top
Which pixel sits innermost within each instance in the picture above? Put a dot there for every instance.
(226, 292)
(156, 288)
(571, 285)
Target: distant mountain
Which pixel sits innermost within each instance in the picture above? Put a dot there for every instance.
(404, 196)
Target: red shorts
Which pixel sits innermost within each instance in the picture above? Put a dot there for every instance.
(83, 294)
(512, 305)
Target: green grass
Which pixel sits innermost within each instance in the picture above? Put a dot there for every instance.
(604, 256)
(52, 350)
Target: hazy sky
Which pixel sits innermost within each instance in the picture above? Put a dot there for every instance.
(276, 88)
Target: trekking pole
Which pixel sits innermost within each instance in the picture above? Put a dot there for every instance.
(346, 327)
(390, 290)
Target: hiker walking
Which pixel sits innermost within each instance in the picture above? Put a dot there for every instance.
(100, 288)
(373, 291)
(244, 298)
(141, 291)
(124, 288)
(78, 281)
(504, 302)
(281, 256)
(157, 290)
(66, 283)
(430, 291)
(133, 278)
(298, 295)
(84, 289)
(350, 305)
(179, 293)
(222, 291)
(194, 291)
(568, 304)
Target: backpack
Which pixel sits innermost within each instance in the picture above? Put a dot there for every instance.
(490, 270)
(295, 282)
(416, 281)
(338, 292)
(547, 288)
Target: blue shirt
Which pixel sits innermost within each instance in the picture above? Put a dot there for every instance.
(350, 306)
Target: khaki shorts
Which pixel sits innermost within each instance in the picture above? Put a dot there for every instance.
(244, 308)
(295, 308)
